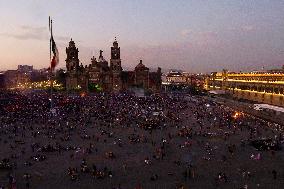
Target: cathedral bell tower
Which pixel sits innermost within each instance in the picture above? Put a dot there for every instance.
(115, 67)
(72, 60)
(115, 61)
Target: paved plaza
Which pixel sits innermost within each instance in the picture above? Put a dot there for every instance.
(120, 141)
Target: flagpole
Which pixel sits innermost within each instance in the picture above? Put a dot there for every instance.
(49, 40)
(51, 69)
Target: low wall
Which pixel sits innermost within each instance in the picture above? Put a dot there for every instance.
(265, 98)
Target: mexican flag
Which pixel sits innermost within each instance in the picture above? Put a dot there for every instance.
(53, 48)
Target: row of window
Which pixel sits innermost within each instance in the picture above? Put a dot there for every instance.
(267, 89)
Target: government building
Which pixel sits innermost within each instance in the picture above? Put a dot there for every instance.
(262, 86)
(108, 77)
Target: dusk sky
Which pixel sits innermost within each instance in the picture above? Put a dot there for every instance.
(193, 35)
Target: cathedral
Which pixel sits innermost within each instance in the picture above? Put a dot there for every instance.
(100, 75)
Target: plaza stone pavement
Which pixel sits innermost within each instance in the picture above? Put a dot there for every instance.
(126, 142)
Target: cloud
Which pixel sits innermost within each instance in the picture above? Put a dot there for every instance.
(62, 38)
(247, 28)
(205, 52)
(185, 32)
(32, 28)
(199, 37)
(29, 32)
(33, 33)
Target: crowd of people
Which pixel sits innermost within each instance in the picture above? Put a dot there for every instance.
(120, 140)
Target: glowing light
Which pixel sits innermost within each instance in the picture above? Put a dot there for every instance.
(83, 94)
(237, 115)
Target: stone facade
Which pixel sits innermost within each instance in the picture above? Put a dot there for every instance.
(2, 81)
(108, 77)
(263, 87)
(15, 78)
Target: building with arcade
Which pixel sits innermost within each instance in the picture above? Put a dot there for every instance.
(261, 86)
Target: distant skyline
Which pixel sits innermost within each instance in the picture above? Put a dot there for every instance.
(192, 35)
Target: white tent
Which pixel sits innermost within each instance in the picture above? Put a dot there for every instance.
(217, 92)
(269, 107)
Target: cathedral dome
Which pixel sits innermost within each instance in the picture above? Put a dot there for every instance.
(141, 66)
